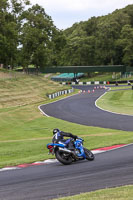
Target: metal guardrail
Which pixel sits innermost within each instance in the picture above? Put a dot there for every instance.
(86, 83)
(96, 82)
(57, 94)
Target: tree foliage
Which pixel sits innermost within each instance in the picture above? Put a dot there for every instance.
(101, 41)
(29, 36)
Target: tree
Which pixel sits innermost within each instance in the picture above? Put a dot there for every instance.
(37, 37)
(58, 42)
(4, 6)
(10, 12)
(126, 44)
(94, 42)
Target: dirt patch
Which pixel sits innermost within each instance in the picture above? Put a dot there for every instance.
(99, 134)
(47, 75)
(23, 140)
(45, 138)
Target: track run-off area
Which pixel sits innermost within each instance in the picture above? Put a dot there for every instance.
(109, 169)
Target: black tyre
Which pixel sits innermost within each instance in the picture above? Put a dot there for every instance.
(63, 157)
(89, 155)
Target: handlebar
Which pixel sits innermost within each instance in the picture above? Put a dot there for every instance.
(77, 139)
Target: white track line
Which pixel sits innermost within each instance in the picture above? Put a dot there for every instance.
(53, 102)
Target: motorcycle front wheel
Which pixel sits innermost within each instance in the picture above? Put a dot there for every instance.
(63, 157)
(89, 155)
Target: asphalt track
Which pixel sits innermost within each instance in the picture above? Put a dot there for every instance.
(81, 109)
(110, 169)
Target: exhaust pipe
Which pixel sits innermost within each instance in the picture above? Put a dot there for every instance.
(68, 151)
(65, 150)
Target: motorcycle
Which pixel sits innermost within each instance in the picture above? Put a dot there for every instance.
(66, 156)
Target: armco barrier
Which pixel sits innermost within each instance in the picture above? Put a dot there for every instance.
(84, 83)
(96, 82)
(57, 94)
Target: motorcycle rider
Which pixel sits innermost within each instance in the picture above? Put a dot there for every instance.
(58, 137)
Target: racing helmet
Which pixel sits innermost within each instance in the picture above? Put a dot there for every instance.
(56, 130)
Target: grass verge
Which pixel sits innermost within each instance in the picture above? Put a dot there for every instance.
(118, 193)
(24, 139)
(119, 101)
(105, 77)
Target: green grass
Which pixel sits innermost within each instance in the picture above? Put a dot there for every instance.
(25, 133)
(105, 77)
(118, 193)
(101, 77)
(120, 87)
(25, 140)
(20, 118)
(120, 101)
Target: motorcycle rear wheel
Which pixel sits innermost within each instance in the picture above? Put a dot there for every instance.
(89, 155)
(63, 157)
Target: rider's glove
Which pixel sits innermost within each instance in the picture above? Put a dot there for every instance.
(75, 137)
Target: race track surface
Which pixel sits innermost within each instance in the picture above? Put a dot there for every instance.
(81, 109)
(110, 169)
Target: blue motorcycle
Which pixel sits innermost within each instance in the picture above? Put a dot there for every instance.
(66, 156)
